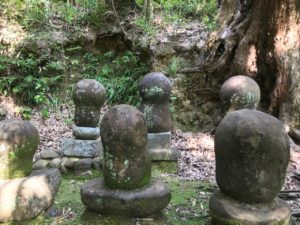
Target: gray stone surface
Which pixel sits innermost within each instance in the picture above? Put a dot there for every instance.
(81, 148)
(159, 147)
(40, 164)
(70, 162)
(155, 90)
(88, 96)
(48, 154)
(97, 163)
(252, 155)
(27, 197)
(239, 92)
(127, 164)
(55, 163)
(225, 210)
(133, 203)
(86, 133)
(83, 164)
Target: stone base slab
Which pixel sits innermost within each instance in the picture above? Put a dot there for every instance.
(224, 210)
(159, 147)
(131, 203)
(86, 133)
(81, 148)
(27, 197)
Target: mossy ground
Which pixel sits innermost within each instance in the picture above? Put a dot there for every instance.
(188, 205)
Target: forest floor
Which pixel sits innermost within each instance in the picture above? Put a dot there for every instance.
(193, 177)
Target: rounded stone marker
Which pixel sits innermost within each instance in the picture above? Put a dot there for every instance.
(127, 164)
(252, 154)
(88, 96)
(240, 92)
(155, 90)
(18, 142)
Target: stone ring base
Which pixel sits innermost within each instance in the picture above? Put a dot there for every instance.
(86, 133)
(141, 202)
(224, 210)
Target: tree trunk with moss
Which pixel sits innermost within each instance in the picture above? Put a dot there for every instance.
(260, 39)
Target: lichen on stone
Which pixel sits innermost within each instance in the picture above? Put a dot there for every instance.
(148, 115)
(154, 91)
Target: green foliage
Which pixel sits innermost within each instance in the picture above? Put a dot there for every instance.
(28, 78)
(119, 74)
(174, 66)
(25, 113)
(38, 13)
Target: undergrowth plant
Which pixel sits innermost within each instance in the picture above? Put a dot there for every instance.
(29, 79)
(119, 74)
(37, 14)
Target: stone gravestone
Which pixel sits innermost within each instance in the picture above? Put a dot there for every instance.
(155, 90)
(252, 154)
(239, 92)
(84, 152)
(23, 194)
(127, 188)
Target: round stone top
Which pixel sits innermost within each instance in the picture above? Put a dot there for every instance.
(155, 87)
(18, 142)
(124, 125)
(89, 92)
(240, 92)
(252, 154)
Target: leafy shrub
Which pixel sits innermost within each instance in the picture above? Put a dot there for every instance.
(28, 79)
(119, 74)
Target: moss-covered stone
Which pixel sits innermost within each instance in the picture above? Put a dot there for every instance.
(240, 92)
(252, 154)
(127, 164)
(155, 90)
(89, 96)
(18, 143)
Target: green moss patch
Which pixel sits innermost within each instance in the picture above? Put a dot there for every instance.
(189, 206)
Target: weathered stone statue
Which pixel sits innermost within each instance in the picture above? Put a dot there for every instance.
(155, 90)
(239, 92)
(252, 154)
(127, 188)
(81, 153)
(88, 96)
(23, 194)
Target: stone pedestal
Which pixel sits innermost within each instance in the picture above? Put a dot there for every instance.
(140, 202)
(80, 155)
(25, 198)
(81, 148)
(225, 210)
(159, 147)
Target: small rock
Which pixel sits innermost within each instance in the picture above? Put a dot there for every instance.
(63, 168)
(84, 173)
(40, 164)
(83, 164)
(70, 162)
(97, 163)
(55, 163)
(49, 154)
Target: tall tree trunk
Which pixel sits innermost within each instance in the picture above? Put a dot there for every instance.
(260, 39)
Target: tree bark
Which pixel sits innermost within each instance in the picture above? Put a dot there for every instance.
(260, 39)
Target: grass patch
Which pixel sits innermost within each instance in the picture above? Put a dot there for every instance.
(189, 206)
